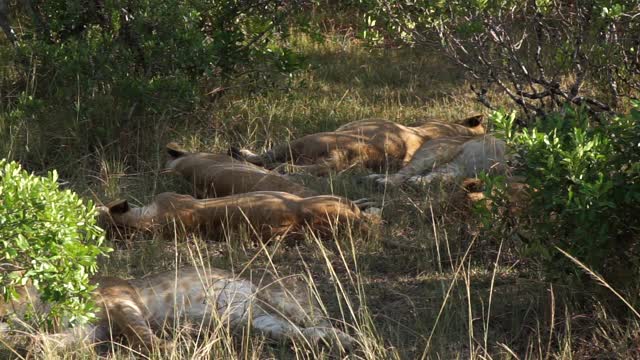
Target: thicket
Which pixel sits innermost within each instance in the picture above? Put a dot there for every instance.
(539, 53)
(583, 177)
(75, 66)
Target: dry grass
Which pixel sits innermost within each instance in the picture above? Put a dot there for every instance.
(422, 286)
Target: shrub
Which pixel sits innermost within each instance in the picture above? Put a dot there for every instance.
(538, 53)
(583, 173)
(48, 237)
(118, 66)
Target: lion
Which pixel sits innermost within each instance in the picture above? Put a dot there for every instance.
(268, 214)
(454, 164)
(208, 298)
(374, 144)
(450, 160)
(216, 175)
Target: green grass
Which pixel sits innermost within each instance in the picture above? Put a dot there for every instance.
(424, 285)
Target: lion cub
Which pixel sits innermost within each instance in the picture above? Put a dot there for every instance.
(215, 175)
(374, 144)
(206, 298)
(268, 213)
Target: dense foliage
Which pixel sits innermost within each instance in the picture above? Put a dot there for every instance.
(48, 237)
(98, 65)
(113, 40)
(583, 175)
(539, 53)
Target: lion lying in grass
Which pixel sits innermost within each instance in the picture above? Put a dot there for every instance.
(450, 160)
(215, 175)
(268, 213)
(374, 144)
(211, 299)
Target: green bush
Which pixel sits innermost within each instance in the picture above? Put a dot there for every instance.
(117, 67)
(87, 49)
(48, 237)
(584, 179)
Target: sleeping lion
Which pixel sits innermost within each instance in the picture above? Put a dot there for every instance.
(266, 213)
(450, 160)
(375, 144)
(208, 298)
(216, 175)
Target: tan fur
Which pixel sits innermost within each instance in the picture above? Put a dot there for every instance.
(209, 299)
(516, 195)
(268, 213)
(215, 175)
(374, 144)
(450, 160)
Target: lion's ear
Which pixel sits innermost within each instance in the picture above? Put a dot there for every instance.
(473, 185)
(174, 150)
(118, 207)
(473, 121)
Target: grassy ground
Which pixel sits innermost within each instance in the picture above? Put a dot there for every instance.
(423, 285)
